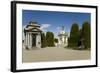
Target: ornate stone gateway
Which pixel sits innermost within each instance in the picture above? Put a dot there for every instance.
(32, 34)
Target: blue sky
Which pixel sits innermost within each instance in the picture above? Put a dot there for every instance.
(52, 21)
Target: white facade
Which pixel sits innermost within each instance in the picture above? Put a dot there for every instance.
(63, 37)
(28, 40)
(32, 36)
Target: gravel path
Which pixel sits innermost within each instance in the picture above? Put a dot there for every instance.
(54, 54)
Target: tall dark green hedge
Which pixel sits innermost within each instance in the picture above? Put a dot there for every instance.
(80, 37)
(86, 34)
(50, 39)
(74, 35)
(43, 40)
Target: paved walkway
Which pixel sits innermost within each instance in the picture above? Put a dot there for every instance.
(54, 54)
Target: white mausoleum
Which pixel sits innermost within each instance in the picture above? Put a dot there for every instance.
(63, 37)
(32, 34)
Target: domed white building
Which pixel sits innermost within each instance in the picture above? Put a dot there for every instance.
(63, 37)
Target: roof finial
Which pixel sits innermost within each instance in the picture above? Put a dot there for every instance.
(32, 22)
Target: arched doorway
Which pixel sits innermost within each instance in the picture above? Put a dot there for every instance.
(33, 40)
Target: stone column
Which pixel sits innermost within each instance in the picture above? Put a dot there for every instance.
(38, 40)
(66, 40)
(26, 44)
(26, 39)
(30, 40)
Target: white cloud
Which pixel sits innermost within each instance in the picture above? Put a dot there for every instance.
(44, 26)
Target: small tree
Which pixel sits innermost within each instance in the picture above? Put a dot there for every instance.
(56, 40)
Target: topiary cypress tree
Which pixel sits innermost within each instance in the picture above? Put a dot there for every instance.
(80, 38)
(86, 34)
(50, 39)
(74, 35)
(47, 38)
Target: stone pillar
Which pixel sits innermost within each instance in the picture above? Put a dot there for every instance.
(28, 40)
(66, 40)
(63, 39)
(25, 40)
